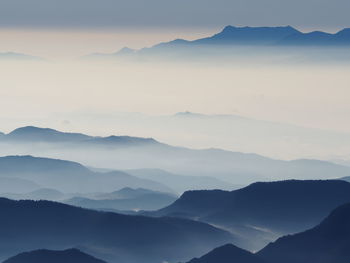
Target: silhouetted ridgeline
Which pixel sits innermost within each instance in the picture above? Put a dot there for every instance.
(51, 256)
(262, 212)
(31, 225)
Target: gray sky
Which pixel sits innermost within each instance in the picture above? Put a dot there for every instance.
(323, 14)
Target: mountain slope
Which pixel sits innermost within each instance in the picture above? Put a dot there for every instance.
(325, 243)
(31, 225)
(45, 256)
(228, 254)
(70, 177)
(262, 212)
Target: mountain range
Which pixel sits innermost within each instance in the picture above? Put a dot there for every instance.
(50, 256)
(277, 38)
(262, 212)
(137, 153)
(32, 225)
(274, 36)
(327, 242)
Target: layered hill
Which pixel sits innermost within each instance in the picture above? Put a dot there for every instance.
(234, 167)
(67, 176)
(325, 243)
(32, 225)
(262, 212)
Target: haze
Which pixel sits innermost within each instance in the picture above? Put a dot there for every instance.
(90, 97)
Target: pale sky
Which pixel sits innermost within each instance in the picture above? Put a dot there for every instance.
(169, 13)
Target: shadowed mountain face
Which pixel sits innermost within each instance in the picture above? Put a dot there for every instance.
(126, 199)
(326, 243)
(31, 225)
(228, 254)
(234, 167)
(262, 212)
(51, 256)
(69, 176)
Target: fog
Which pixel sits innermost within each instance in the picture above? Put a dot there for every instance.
(140, 99)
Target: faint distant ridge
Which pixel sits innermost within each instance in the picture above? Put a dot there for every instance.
(36, 134)
(45, 256)
(18, 56)
(193, 115)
